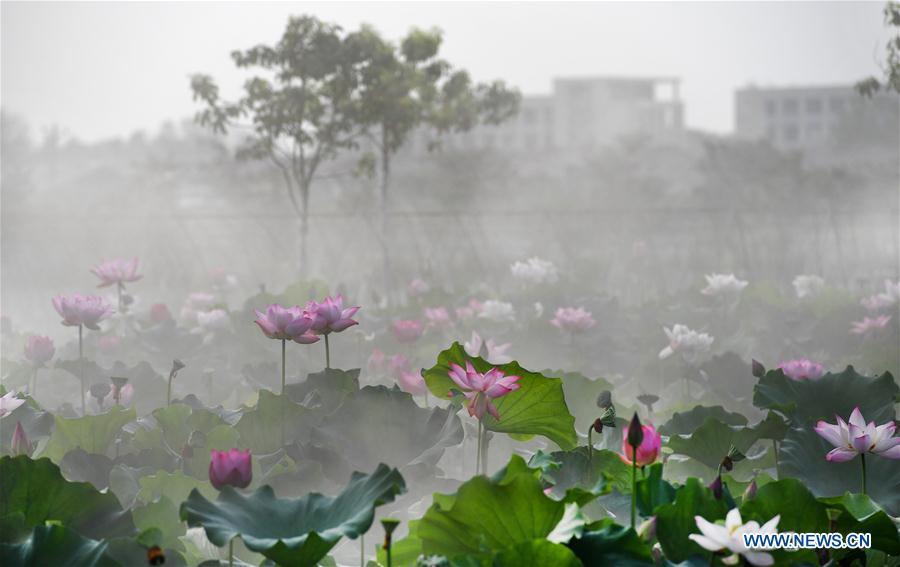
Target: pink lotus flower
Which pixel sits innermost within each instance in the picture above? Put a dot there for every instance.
(438, 317)
(211, 321)
(8, 403)
(125, 395)
(470, 311)
(376, 363)
(108, 343)
(116, 271)
(87, 310)
(488, 350)
(397, 364)
(868, 324)
(877, 302)
(20, 444)
(647, 451)
(329, 316)
(159, 313)
(573, 320)
(417, 288)
(39, 350)
(287, 324)
(412, 383)
(859, 437)
(230, 468)
(801, 369)
(407, 330)
(480, 389)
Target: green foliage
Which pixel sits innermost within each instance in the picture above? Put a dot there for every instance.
(324, 390)
(293, 531)
(686, 422)
(675, 521)
(93, 433)
(652, 490)
(607, 543)
(536, 553)
(161, 514)
(33, 492)
(858, 514)
(565, 470)
(58, 546)
(274, 418)
(538, 407)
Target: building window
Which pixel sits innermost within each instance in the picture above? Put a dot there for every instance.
(813, 106)
(790, 133)
(771, 133)
(771, 109)
(789, 106)
(837, 105)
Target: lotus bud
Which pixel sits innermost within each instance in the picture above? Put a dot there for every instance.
(750, 492)
(20, 444)
(635, 432)
(717, 487)
(647, 530)
(598, 425)
(757, 368)
(230, 468)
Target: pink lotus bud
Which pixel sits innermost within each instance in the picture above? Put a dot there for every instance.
(159, 313)
(20, 444)
(39, 350)
(109, 343)
(407, 330)
(648, 443)
(230, 468)
(412, 383)
(417, 288)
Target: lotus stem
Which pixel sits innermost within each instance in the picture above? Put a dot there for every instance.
(862, 460)
(231, 552)
(327, 354)
(362, 550)
(34, 382)
(81, 366)
(119, 296)
(633, 486)
(775, 448)
(478, 451)
(283, 350)
(169, 390)
(590, 449)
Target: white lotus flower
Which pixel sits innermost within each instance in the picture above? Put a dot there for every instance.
(687, 342)
(497, 310)
(723, 284)
(888, 298)
(534, 271)
(494, 353)
(730, 537)
(8, 403)
(808, 285)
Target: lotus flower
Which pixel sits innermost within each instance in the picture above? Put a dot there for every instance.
(87, 310)
(8, 403)
(858, 437)
(723, 284)
(878, 302)
(801, 369)
(159, 313)
(534, 271)
(808, 285)
(287, 324)
(730, 537)
(377, 362)
(329, 316)
(39, 350)
(124, 394)
(648, 449)
(868, 325)
(407, 330)
(211, 321)
(488, 350)
(230, 468)
(116, 271)
(417, 288)
(438, 317)
(108, 343)
(689, 343)
(499, 311)
(479, 389)
(412, 383)
(573, 320)
(20, 444)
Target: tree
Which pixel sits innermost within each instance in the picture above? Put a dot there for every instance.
(302, 112)
(891, 80)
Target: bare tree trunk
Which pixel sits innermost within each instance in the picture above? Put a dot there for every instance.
(385, 237)
(304, 230)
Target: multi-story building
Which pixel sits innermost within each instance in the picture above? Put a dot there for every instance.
(581, 113)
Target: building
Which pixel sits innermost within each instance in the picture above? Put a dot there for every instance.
(808, 119)
(580, 113)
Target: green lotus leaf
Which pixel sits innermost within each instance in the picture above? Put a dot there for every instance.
(92, 433)
(149, 383)
(799, 510)
(176, 486)
(397, 432)
(802, 456)
(652, 490)
(581, 395)
(808, 401)
(686, 422)
(711, 442)
(858, 514)
(34, 491)
(675, 521)
(324, 390)
(161, 514)
(293, 531)
(487, 515)
(275, 416)
(538, 407)
(572, 469)
(58, 546)
(536, 553)
(607, 543)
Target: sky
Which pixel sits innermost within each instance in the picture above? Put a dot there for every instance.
(102, 70)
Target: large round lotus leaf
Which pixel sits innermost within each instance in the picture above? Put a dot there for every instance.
(93, 433)
(581, 395)
(729, 376)
(805, 402)
(710, 442)
(487, 515)
(33, 492)
(802, 456)
(607, 543)
(536, 553)
(161, 514)
(377, 424)
(538, 407)
(675, 521)
(36, 423)
(176, 486)
(685, 422)
(324, 390)
(80, 466)
(275, 417)
(858, 514)
(571, 469)
(58, 546)
(150, 387)
(293, 531)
